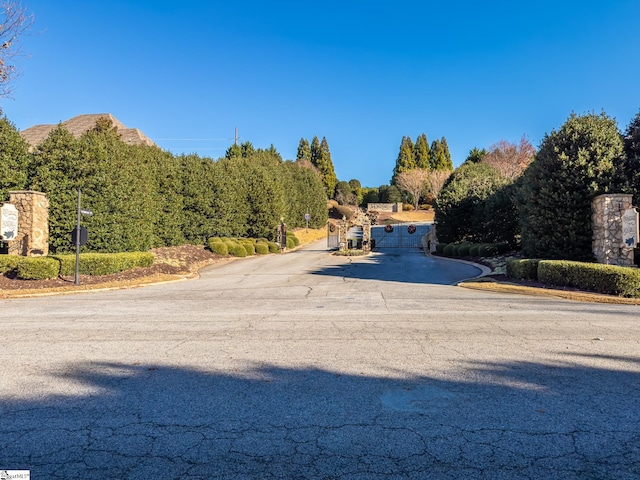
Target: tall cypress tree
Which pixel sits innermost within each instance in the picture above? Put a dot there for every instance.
(440, 158)
(304, 151)
(406, 158)
(448, 163)
(632, 154)
(423, 152)
(321, 159)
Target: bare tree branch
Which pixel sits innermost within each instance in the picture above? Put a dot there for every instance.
(436, 180)
(14, 21)
(414, 182)
(510, 159)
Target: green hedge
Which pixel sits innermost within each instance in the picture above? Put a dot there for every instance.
(249, 247)
(291, 243)
(218, 247)
(103, 263)
(523, 268)
(292, 235)
(8, 263)
(262, 248)
(237, 250)
(274, 247)
(608, 279)
(440, 248)
(37, 268)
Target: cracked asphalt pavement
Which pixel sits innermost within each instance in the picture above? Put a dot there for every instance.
(308, 365)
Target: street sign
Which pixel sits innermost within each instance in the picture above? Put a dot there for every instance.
(307, 217)
(630, 228)
(84, 236)
(88, 213)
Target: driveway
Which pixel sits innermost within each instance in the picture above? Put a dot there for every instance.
(308, 365)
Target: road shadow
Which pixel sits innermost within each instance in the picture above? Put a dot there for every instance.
(516, 420)
(406, 265)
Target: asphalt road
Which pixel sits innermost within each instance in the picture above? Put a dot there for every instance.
(308, 365)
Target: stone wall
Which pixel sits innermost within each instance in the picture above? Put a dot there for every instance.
(608, 245)
(33, 223)
(384, 207)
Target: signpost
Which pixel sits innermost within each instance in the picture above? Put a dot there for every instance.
(306, 218)
(630, 228)
(79, 237)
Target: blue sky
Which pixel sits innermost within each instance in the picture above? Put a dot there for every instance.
(362, 73)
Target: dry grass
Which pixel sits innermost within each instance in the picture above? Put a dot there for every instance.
(310, 236)
(414, 216)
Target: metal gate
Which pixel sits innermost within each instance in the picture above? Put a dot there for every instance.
(402, 235)
(333, 238)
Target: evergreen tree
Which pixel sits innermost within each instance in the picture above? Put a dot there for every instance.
(55, 170)
(475, 155)
(119, 190)
(460, 210)
(440, 158)
(406, 158)
(321, 159)
(632, 154)
(304, 151)
(14, 159)
(422, 152)
(448, 162)
(574, 164)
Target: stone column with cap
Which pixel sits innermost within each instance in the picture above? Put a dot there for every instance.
(33, 223)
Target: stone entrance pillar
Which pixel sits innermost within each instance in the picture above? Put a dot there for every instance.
(606, 218)
(33, 223)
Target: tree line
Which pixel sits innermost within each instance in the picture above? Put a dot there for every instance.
(144, 197)
(541, 201)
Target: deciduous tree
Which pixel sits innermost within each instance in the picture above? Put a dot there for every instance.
(14, 22)
(510, 159)
(414, 182)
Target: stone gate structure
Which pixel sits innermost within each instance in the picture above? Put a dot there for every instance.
(606, 218)
(33, 223)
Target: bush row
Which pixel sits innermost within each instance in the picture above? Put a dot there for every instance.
(467, 249)
(594, 277)
(243, 247)
(40, 268)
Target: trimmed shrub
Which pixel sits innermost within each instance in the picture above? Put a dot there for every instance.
(523, 268)
(503, 247)
(249, 247)
(291, 242)
(219, 248)
(237, 250)
(37, 268)
(595, 277)
(261, 240)
(295, 239)
(463, 250)
(448, 250)
(262, 248)
(487, 250)
(215, 239)
(103, 263)
(440, 248)
(407, 207)
(273, 247)
(8, 263)
(473, 250)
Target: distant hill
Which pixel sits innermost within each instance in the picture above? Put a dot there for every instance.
(82, 123)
